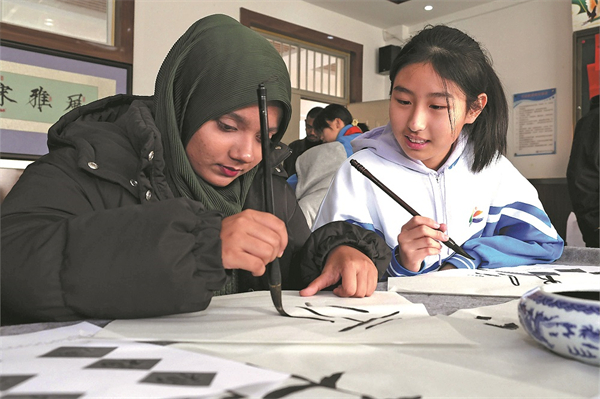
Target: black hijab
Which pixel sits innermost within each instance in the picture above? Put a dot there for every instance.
(213, 69)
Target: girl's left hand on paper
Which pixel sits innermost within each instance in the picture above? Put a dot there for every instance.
(419, 237)
(357, 271)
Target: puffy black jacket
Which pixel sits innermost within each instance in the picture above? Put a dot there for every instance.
(92, 229)
(583, 175)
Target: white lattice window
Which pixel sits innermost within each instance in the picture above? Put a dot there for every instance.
(316, 72)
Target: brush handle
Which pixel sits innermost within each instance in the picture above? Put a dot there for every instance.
(265, 146)
(382, 186)
(273, 268)
(450, 243)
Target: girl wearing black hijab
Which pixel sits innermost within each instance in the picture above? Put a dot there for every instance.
(148, 206)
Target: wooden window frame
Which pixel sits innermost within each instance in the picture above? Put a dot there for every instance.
(121, 51)
(253, 19)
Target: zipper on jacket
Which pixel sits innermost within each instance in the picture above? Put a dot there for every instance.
(440, 209)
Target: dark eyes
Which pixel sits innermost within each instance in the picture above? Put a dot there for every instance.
(225, 127)
(432, 106)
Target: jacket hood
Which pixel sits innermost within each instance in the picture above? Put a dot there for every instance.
(382, 142)
(108, 109)
(346, 135)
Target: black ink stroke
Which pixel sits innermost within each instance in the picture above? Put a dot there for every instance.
(507, 326)
(326, 382)
(548, 279)
(362, 323)
(577, 270)
(350, 308)
(352, 319)
(329, 382)
(378, 324)
(313, 311)
(544, 273)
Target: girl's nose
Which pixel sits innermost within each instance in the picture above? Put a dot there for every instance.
(245, 150)
(417, 121)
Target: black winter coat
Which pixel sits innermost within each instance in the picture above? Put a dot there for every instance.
(583, 175)
(92, 229)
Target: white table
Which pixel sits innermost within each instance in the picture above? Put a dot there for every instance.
(469, 346)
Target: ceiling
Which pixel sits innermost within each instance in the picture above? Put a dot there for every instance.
(385, 14)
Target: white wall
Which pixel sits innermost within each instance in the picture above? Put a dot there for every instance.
(159, 23)
(530, 42)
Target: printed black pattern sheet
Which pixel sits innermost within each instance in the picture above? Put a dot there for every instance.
(69, 363)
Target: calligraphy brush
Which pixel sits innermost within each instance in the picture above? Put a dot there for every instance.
(450, 243)
(273, 269)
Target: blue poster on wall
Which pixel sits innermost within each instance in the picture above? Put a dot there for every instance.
(534, 116)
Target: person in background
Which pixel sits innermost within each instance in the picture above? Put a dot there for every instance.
(299, 146)
(149, 206)
(335, 124)
(363, 127)
(442, 153)
(583, 176)
(316, 167)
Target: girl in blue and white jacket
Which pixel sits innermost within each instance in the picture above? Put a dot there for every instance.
(442, 153)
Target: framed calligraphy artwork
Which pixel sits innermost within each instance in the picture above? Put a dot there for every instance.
(38, 86)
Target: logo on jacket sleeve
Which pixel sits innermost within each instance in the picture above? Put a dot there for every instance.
(476, 216)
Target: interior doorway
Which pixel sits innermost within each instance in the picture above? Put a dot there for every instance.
(305, 106)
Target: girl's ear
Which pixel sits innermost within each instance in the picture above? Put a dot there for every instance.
(337, 124)
(476, 108)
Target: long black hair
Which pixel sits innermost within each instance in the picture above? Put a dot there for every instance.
(458, 58)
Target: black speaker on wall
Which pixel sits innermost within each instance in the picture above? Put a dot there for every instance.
(386, 56)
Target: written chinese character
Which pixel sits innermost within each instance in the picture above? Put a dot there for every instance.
(39, 98)
(4, 94)
(74, 101)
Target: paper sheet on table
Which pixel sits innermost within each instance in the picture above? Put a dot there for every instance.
(398, 371)
(385, 317)
(505, 312)
(66, 361)
(506, 281)
(62, 334)
(505, 363)
(509, 350)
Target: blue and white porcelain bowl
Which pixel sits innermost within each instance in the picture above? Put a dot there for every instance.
(564, 319)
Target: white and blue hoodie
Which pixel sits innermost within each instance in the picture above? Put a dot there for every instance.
(495, 215)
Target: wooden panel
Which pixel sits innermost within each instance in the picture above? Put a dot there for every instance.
(373, 113)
